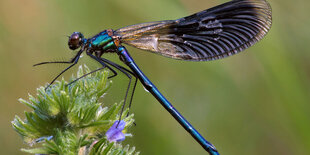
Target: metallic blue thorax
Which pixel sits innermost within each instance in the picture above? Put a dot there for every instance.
(102, 41)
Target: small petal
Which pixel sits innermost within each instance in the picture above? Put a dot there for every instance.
(117, 137)
(115, 134)
(41, 139)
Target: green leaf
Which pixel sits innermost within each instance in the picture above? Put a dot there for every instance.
(41, 150)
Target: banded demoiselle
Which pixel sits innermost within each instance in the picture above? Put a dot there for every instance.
(211, 34)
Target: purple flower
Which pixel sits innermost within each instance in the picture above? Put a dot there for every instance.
(115, 134)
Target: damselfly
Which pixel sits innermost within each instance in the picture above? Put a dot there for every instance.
(211, 34)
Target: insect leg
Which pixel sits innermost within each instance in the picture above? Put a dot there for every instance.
(111, 69)
(101, 61)
(76, 57)
(119, 67)
(73, 61)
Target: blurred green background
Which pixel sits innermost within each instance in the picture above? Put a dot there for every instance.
(256, 102)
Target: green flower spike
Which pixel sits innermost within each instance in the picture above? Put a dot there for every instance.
(70, 120)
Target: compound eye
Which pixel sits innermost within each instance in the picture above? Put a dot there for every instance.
(75, 40)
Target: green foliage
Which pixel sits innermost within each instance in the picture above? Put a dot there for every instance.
(69, 119)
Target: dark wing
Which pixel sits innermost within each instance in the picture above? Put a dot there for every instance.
(212, 34)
